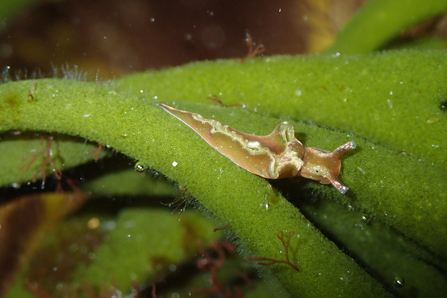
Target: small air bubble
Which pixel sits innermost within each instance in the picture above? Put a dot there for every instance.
(398, 282)
(264, 205)
(140, 167)
(365, 218)
(443, 105)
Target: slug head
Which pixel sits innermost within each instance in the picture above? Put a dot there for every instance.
(324, 166)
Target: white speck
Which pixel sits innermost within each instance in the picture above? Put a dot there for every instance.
(152, 20)
(391, 92)
(174, 163)
(141, 91)
(435, 146)
(253, 144)
(390, 103)
(298, 92)
(155, 97)
(279, 10)
(105, 37)
(86, 115)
